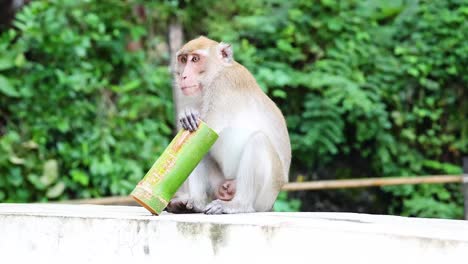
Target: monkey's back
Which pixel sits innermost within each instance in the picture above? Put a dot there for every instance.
(244, 109)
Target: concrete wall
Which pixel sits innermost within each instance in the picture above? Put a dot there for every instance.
(49, 233)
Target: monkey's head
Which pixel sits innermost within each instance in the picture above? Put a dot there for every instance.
(199, 62)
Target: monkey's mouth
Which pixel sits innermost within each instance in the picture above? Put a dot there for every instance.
(190, 90)
(188, 87)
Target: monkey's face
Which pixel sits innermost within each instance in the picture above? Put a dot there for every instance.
(199, 62)
(190, 70)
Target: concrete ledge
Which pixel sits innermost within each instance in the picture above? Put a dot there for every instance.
(52, 233)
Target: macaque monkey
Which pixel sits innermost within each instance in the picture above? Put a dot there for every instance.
(253, 151)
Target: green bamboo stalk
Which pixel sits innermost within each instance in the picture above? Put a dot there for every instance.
(173, 167)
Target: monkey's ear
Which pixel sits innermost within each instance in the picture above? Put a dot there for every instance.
(225, 52)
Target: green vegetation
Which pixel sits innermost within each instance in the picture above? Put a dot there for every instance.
(83, 116)
(369, 88)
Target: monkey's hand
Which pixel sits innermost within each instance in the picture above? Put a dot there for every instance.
(181, 206)
(190, 119)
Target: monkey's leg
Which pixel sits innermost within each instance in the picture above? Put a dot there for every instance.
(258, 178)
(181, 203)
(193, 195)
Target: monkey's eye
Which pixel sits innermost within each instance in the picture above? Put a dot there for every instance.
(195, 58)
(183, 59)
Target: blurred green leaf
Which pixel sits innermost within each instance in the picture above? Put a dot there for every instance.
(50, 172)
(282, 204)
(6, 88)
(80, 177)
(14, 177)
(56, 190)
(6, 63)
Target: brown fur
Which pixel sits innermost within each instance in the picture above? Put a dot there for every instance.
(197, 44)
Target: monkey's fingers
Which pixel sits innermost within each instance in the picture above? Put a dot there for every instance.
(188, 120)
(183, 124)
(189, 205)
(186, 124)
(193, 120)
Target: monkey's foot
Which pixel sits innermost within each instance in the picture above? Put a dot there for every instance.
(182, 206)
(226, 207)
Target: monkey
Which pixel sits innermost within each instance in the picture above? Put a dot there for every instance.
(253, 148)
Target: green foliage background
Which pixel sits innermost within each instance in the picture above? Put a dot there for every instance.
(368, 88)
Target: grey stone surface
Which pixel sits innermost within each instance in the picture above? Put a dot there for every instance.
(53, 233)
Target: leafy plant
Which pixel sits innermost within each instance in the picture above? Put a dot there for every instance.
(84, 114)
(368, 89)
(283, 204)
